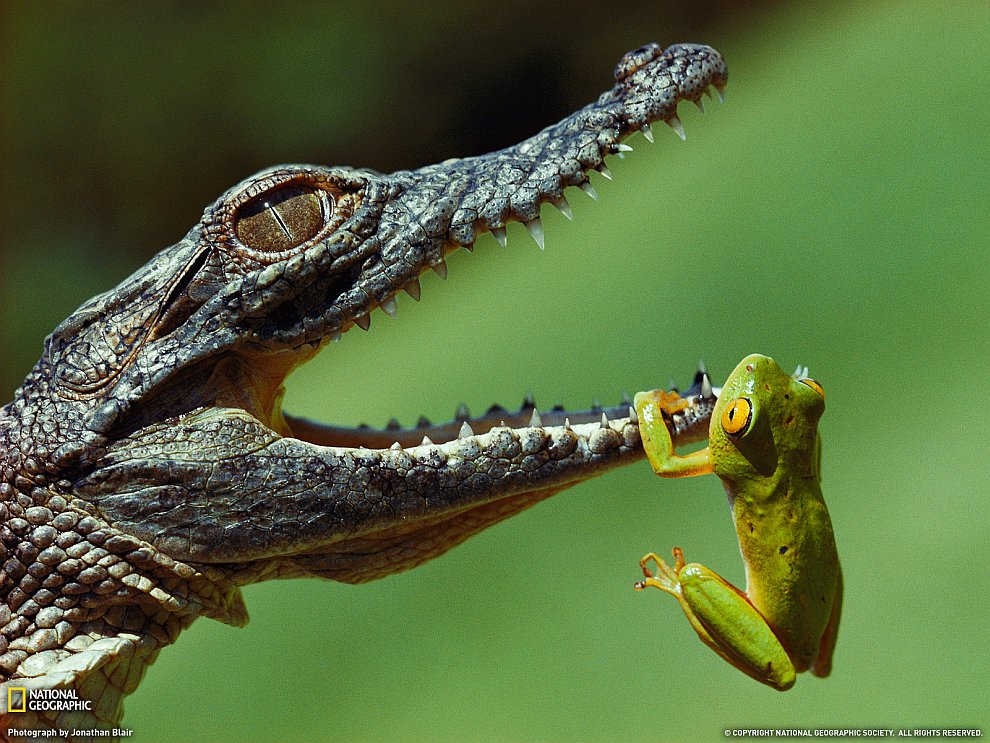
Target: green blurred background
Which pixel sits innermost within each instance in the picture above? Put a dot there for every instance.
(833, 213)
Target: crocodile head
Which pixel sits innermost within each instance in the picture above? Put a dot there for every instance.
(295, 256)
(147, 456)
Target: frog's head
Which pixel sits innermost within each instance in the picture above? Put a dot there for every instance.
(766, 421)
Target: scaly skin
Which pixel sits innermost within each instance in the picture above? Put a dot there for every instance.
(148, 470)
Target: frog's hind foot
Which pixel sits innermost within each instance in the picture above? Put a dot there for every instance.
(665, 578)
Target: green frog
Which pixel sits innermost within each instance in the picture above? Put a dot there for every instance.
(764, 445)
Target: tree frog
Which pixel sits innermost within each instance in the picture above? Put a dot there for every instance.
(764, 445)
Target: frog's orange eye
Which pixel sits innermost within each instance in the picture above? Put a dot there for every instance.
(814, 385)
(736, 416)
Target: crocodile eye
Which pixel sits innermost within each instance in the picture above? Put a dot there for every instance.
(282, 218)
(814, 385)
(736, 416)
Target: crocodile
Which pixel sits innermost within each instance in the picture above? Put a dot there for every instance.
(149, 472)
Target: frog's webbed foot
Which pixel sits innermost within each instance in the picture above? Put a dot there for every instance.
(665, 578)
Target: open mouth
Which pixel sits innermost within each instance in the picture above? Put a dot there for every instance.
(194, 454)
(309, 252)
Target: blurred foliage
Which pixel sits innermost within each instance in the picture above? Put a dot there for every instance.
(833, 213)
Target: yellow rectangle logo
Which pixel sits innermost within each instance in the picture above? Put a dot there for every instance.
(16, 699)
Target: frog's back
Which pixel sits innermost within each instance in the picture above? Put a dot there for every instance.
(792, 567)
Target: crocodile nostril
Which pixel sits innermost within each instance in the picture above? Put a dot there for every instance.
(636, 59)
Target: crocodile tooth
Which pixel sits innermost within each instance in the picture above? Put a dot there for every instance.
(567, 424)
(702, 369)
(499, 234)
(363, 321)
(529, 401)
(632, 414)
(396, 446)
(465, 431)
(391, 309)
(564, 207)
(675, 123)
(426, 441)
(604, 420)
(590, 190)
(335, 336)
(647, 132)
(393, 424)
(423, 422)
(440, 269)
(413, 289)
(797, 373)
(620, 147)
(720, 92)
(700, 104)
(535, 227)
(534, 420)
(603, 169)
(462, 412)
(706, 386)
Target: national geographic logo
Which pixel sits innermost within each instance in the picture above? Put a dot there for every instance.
(19, 699)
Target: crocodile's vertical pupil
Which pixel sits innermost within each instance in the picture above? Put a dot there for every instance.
(280, 219)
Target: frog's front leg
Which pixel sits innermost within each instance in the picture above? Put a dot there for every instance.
(723, 617)
(650, 409)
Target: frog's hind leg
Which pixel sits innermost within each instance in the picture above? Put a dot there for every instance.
(822, 665)
(723, 618)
